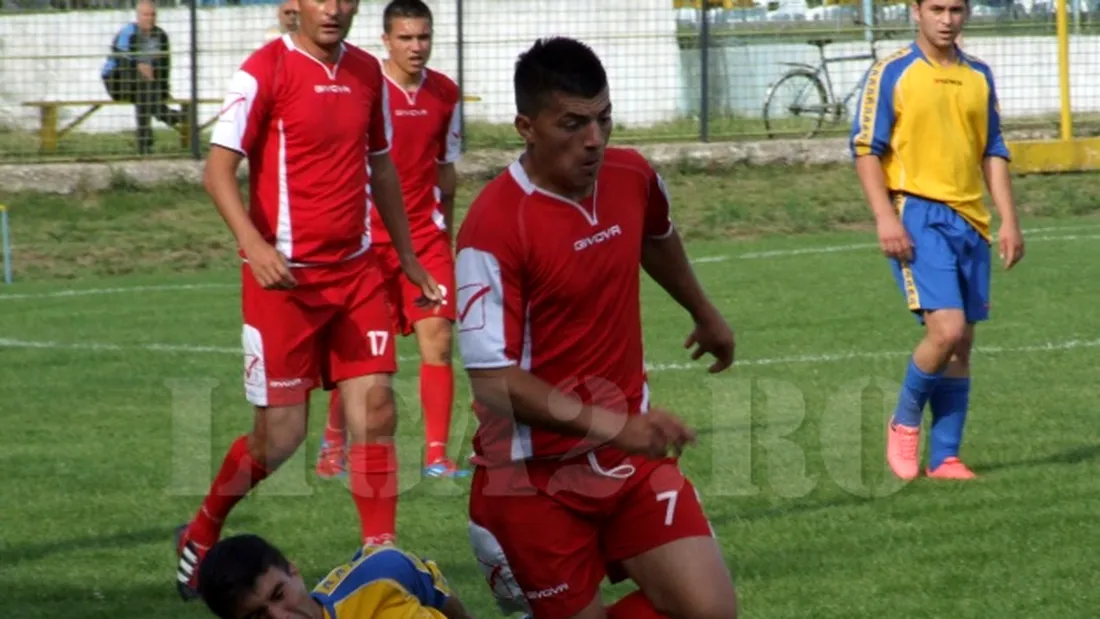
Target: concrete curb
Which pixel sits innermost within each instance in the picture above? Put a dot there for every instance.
(67, 178)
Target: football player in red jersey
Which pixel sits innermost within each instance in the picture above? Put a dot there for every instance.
(309, 112)
(573, 480)
(427, 142)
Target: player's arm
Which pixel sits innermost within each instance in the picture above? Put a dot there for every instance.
(244, 113)
(872, 129)
(869, 140)
(998, 180)
(448, 186)
(666, 261)
(385, 181)
(450, 151)
(423, 579)
(386, 191)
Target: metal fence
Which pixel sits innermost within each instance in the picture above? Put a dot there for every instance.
(678, 71)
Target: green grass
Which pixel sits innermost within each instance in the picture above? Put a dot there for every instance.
(117, 406)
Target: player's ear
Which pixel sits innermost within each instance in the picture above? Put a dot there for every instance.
(525, 127)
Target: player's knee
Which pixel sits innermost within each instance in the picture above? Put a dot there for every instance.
(947, 332)
(963, 347)
(277, 433)
(381, 413)
(435, 341)
(705, 605)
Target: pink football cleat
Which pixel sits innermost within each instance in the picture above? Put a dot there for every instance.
(902, 445)
(951, 468)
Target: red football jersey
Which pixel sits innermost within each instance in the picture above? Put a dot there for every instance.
(425, 134)
(306, 129)
(553, 285)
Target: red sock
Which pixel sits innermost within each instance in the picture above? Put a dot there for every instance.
(437, 392)
(373, 470)
(336, 427)
(633, 606)
(238, 475)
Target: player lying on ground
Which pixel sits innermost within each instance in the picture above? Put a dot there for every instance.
(310, 114)
(426, 144)
(927, 133)
(572, 481)
(245, 577)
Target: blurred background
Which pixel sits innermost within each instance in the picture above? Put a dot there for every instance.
(679, 71)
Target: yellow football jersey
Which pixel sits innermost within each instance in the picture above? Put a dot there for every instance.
(383, 582)
(932, 126)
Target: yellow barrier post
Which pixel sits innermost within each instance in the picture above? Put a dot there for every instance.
(1062, 26)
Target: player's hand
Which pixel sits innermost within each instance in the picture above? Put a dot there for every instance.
(894, 240)
(269, 266)
(431, 294)
(712, 335)
(1011, 242)
(653, 434)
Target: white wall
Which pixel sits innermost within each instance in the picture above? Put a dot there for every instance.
(44, 57)
(58, 56)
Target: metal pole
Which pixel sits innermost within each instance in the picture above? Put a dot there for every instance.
(461, 70)
(193, 122)
(868, 20)
(704, 72)
(6, 240)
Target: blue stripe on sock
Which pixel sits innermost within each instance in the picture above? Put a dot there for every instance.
(914, 395)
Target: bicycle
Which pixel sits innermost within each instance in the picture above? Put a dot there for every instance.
(815, 84)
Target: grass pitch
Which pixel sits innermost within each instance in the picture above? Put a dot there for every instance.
(120, 389)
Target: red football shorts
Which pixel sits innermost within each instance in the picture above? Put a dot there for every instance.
(436, 258)
(334, 324)
(547, 532)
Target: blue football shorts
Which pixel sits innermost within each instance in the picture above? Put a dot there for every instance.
(951, 265)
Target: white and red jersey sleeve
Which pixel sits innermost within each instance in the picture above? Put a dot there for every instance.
(450, 143)
(658, 216)
(490, 287)
(381, 124)
(246, 109)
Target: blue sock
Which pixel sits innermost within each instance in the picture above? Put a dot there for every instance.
(950, 402)
(914, 395)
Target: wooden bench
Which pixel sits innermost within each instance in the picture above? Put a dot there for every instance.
(49, 133)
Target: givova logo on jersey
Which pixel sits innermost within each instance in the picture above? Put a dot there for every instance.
(600, 237)
(339, 89)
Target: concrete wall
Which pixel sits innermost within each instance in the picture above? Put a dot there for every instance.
(58, 56)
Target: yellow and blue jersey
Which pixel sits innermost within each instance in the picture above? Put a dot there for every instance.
(932, 126)
(383, 582)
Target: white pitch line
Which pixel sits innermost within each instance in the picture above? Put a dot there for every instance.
(656, 367)
(857, 355)
(778, 253)
(832, 249)
(83, 292)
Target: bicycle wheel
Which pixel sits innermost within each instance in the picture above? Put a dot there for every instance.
(795, 105)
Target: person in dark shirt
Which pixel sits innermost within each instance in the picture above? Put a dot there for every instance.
(137, 71)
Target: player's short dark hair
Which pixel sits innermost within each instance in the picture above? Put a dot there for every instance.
(404, 9)
(556, 65)
(231, 567)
